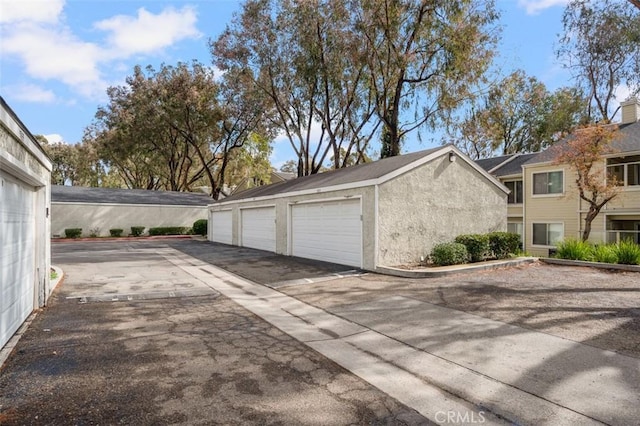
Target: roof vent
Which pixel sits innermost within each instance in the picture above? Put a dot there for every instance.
(630, 110)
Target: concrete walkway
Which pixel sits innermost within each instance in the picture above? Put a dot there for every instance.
(452, 367)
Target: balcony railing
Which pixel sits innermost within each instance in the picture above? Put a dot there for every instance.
(617, 236)
(611, 236)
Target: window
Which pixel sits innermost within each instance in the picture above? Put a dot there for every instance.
(547, 183)
(626, 170)
(515, 197)
(516, 228)
(547, 234)
(633, 174)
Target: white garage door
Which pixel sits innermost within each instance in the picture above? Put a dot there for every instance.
(329, 231)
(17, 233)
(259, 228)
(221, 227)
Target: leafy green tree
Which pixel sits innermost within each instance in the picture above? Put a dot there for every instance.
(517, 115)
(423, 58)
(175, 128)
(250, 161)
(600, 46)
(289, 166)
(77, 164)
(309, 62)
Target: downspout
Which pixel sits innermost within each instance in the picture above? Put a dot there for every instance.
(376, 213)
(524, 209)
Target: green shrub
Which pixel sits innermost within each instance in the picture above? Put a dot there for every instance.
(605, 254)
(168, 230)
(503, 244)
(449, 254)
(200, 227)
(73, 232)
(136, 231)
(94, 232)
(477, 245)
(116, 232)
(573, 249)
(628, 252)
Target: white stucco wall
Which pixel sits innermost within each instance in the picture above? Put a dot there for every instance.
(22, 160)
(113, 216)
(435, 203)
(430, 204)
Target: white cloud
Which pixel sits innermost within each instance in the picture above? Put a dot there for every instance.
(533, 7)
(54, 138)
(49, 50)
(31, 93)
(621, 94)
(31, 11)
(148, 33)
(56, 54)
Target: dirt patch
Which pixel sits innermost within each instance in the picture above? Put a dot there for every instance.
(587, 305)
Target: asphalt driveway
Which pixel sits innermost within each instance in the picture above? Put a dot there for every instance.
(192, 332)
(263, 267)
(129, 338)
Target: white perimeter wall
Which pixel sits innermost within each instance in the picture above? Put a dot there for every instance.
(112, 216)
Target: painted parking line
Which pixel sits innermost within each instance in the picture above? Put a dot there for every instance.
(312, 280)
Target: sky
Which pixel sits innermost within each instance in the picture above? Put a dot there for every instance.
(57, 57)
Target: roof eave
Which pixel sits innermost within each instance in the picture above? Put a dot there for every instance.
(378, 181)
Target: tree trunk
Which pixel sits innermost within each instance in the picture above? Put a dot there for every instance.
(593, 212)
(390, 141)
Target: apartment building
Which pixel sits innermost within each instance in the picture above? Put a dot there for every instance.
(544, 206)
(552, 208)
(508, 170)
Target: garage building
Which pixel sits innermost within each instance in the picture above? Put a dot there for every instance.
(25, 176)
(97, 210)
(389, 212)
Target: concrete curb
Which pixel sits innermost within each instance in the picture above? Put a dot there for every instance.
(8, 348)
(58, 279)
(105, 239)
(441, 271)
(598, 265)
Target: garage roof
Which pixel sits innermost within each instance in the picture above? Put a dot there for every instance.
(363, 174)
(491, 163)
(79, 194)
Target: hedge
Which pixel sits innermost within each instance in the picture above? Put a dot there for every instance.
(168, 230)
(477, 245)
(136, 231)
(73, 232)
(116, 232)
(200, 227)
(503, 244)
(449, 254)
